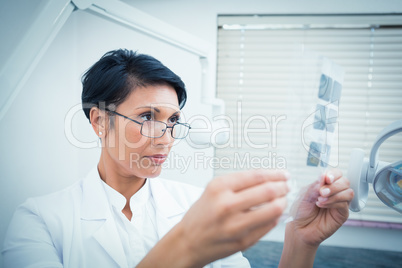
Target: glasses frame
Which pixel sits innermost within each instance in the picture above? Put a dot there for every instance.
(142, 124)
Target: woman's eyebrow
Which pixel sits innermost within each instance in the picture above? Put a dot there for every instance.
(177, 112)
(150, 107)
(156, 109)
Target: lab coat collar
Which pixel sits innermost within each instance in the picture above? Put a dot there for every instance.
(165, 202)
(168, 212)
(95, 208)
(94, 200)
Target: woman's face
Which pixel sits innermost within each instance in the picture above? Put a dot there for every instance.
(131, 153)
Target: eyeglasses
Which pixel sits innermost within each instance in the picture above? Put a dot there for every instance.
(156, 129)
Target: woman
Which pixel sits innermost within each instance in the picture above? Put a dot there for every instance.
(121, 216)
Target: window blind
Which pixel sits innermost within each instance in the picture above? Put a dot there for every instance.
(253, 66)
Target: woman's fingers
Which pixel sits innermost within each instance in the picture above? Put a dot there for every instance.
(235, 211)
(268, 212)
(336, 192)
(249, 204)
(255, 222)
(260, 194)
(255, 235)
(337, 186)
(249, 189)
(336, 201)
(332, 176)
(246, 179)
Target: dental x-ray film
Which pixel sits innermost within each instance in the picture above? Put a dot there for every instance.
(320, 133)
(314, 92)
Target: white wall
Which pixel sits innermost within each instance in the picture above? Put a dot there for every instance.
(37, 156)
(200, 18)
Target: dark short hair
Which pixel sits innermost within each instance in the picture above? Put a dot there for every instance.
(110, 80)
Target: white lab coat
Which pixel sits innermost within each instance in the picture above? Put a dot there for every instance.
(75, 227)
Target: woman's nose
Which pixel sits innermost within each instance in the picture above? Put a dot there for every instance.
(165, 139)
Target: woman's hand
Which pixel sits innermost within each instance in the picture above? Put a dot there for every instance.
(233, 213)
(323, 208)
(320, 211)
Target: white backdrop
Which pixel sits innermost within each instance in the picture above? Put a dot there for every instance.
(37, 156)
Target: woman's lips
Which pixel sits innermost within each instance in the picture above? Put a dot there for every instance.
(157, 159)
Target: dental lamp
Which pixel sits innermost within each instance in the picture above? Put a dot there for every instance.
(385, 177)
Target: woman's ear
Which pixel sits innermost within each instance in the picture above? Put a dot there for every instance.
(98, 121)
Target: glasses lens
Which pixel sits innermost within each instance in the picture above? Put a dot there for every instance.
(153, 129)
(180, 131)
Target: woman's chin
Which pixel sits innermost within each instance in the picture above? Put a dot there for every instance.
(154, 172)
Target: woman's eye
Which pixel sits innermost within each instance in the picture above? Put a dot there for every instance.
(174, 119)
(146, 117)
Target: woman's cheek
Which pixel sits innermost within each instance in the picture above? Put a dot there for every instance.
(133, 139)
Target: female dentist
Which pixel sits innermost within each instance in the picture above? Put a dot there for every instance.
(122, 215)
